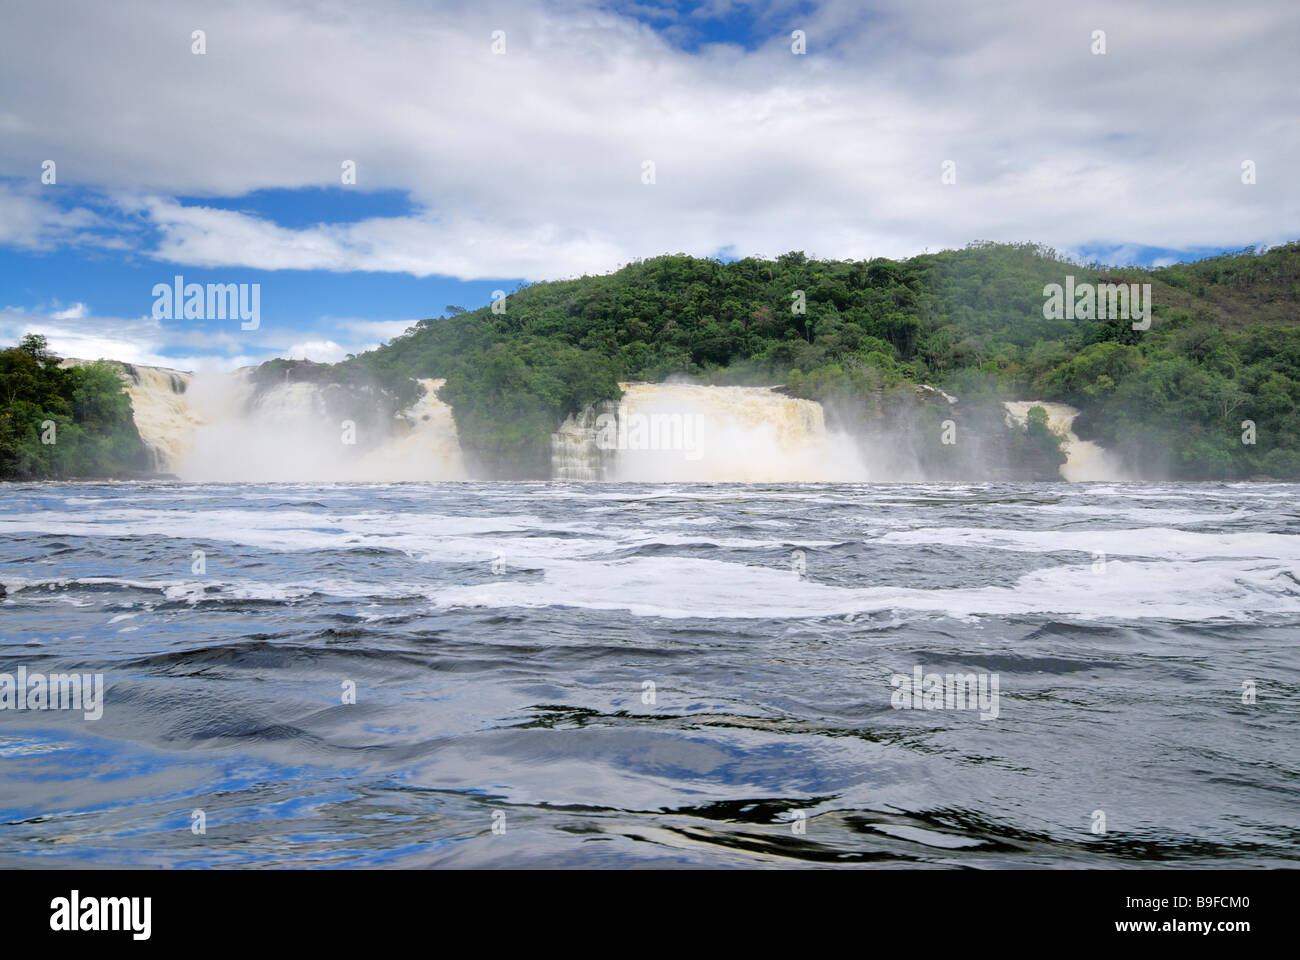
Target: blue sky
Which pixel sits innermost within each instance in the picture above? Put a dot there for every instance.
(349, 308)
(479, 168)
(693, 26)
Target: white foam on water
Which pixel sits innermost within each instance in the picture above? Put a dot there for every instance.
(675, 588)
(1152, 515)
(1162, 542)
(1157, 572)
(521, 540)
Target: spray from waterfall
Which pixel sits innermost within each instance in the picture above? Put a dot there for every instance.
(217, 426)
(222, 426)
(1085, 460)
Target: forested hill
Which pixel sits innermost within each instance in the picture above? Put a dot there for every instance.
(1211, 390)
(1223, 347)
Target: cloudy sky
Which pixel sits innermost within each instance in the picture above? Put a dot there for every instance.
(478, 169)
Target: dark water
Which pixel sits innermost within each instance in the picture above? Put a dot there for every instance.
(500, 637)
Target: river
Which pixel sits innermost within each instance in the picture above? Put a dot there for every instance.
(614, 675)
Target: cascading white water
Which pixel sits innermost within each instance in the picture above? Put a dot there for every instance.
(159, 406)
(161, 412)
(687, 432)
(285, 433)
(576, 453)
(218, 427)
(214, 426)
(427, 446)
(1085, 460)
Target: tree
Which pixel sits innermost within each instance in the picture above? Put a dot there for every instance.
(93, 430)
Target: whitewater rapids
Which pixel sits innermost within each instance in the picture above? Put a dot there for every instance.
(653, 674)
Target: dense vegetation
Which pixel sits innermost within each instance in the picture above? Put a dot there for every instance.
(1223, 348)
(1219, 363)
(63, 422)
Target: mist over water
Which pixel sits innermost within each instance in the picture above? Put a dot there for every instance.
(223, 429)
(220, 426)
(1085, 460)
(500, 636)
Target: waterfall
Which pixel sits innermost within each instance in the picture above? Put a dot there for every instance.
(159, 407)
(427, 446)
(688, 432)
(217, 426)
(286, 432)
(1085, 460)
(576, 453)
(161, 413)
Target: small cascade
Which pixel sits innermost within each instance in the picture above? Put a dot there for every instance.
(576, 450)
(427, 443)
(1085, 460)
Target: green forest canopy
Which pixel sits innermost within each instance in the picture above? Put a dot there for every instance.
(63, 422)
(1223, 347)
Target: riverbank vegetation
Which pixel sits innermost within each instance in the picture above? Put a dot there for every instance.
(1210, 390)
(1222, 352)
(63, 422)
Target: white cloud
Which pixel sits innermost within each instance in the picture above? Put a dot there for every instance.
(32, 221)
(321, 351)
(381, 329)
(76, 332)
(75, 312)
(208, 237)
(529, 164)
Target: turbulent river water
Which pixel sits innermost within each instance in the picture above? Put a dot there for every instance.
(612, 675)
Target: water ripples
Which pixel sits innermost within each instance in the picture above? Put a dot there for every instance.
(674, 675)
